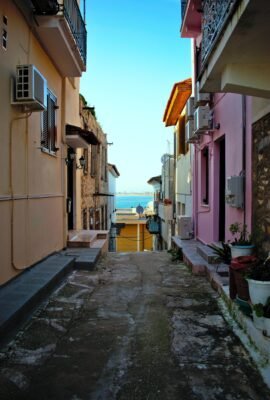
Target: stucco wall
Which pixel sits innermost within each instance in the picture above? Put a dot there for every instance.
(184, 182)
(128, 239)
(31, 181)
(228, 113)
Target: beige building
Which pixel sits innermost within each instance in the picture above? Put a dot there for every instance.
(43, 54)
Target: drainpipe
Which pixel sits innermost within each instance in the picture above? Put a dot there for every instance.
(244, 119)
(195, 191)
(64, 172)
(11, 188)
(174, 186)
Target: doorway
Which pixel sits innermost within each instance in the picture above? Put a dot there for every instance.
(222, 185)
(70, 186)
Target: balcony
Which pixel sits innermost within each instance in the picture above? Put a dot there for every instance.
(234, 56)
(191, 18)
(61, 29)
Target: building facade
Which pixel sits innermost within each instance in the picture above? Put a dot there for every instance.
(113, 174)
(41, 59)
(222, 133)
(175, 116)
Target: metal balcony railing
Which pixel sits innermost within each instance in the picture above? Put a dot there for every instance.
(76, 23)
(72, 14)
(183, 8)
(216, 14)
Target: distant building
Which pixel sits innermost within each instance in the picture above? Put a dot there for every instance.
(113, 174)
(132, 234)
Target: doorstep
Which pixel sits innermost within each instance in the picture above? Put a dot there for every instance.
(201, 259)
(20, 297)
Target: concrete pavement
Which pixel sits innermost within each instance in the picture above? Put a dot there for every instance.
(138, 328)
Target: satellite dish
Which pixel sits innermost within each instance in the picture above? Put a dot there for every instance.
(139, 209)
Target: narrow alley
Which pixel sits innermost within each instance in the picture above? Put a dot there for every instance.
(138, 328)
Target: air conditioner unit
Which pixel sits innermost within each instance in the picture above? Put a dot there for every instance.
(190, 108)
(30, 88)
(189, 129)
(184, 226)
(201, 98)
(201, 119)
(235, 191)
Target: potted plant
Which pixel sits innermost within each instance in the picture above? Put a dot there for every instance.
(267, 317)
(242, 243)
(223, 252)
(259, 282)
(261, 316)
(258, 316)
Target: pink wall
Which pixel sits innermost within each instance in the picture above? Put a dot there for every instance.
(228, 113)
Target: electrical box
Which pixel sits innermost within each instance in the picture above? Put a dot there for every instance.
(201, 98)
(201, 119)
(184, 226)
(190, 108)
(235, 191)
(30, 88)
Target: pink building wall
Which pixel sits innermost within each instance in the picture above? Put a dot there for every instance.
(228, 113)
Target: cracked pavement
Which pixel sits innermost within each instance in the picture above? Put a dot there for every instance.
(138, 328)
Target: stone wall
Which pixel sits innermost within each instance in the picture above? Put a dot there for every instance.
(94, 207)
(261, 184)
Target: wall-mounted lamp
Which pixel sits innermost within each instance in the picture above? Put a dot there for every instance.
(70, 157)
(82, 163)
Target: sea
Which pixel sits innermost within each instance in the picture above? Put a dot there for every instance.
(132, 201)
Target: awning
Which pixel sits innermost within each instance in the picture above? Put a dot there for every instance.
(77, 137)
(154, 180)
(180, 93)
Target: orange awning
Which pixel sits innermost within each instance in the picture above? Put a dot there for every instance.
(180, 93)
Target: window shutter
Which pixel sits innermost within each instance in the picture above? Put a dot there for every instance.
(48, 129)
(44, 130)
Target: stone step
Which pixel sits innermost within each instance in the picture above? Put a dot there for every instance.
(101, 244)
(207, 254)
(84, 258)
(217, 274)
(21, 296)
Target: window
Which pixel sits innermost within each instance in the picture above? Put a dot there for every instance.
(91, 218)
(93, 160)
(181, 137)
(84, 218)
(48, 125)
(4, 33)
(205, 176)
(85, 155)
(97, 219)
(103, 164)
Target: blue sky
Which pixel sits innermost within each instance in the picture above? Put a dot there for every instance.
(135, 55)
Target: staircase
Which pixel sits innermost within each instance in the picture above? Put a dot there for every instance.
(88, 239)
(202, 261)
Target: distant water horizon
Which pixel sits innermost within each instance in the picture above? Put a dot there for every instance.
(132, 201)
